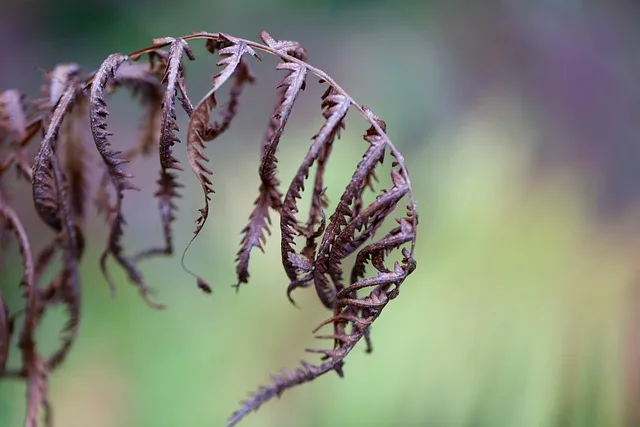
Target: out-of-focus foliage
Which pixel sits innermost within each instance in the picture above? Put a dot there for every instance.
(519, 122)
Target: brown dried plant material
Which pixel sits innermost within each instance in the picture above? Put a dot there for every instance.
(58, 175)
(269, 197)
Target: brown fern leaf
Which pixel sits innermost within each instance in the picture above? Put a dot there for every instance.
(396, 238)
(58, 178)
(335, 357)
(286, 380)
(368, 221)
(169, 126)
(284, 47)
(377, 251)
(45, 197)
(200, 130)
(339, 240)
(168, 185)
(51, 200)
(242, 76)
(187, 106)
(335, 107)
(254, 234)
(114, 161)
(328, 261)
(147, 81)
(98, 113)
(360, 310)
(319, 201)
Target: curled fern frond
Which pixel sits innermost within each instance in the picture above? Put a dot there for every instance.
(201, 131)
(335, 107)
(254, 234)
(352, 314)
(242, 76)
(45, 196)
(61, 211)
(168, 125)
(314, 250)
(330, 259)
(167, 183)
(114, 162)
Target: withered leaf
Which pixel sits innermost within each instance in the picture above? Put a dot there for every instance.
(313, 250)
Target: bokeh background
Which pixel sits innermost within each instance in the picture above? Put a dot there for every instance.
(520, 123)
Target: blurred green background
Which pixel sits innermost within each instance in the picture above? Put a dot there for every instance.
(519, 121)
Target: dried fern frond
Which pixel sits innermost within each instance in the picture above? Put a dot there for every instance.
(352, 314)
(114, 162)
(269, 197)
(200, 129)
(167, 183)
(58, 178)
(45, 196)
(336, 106)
